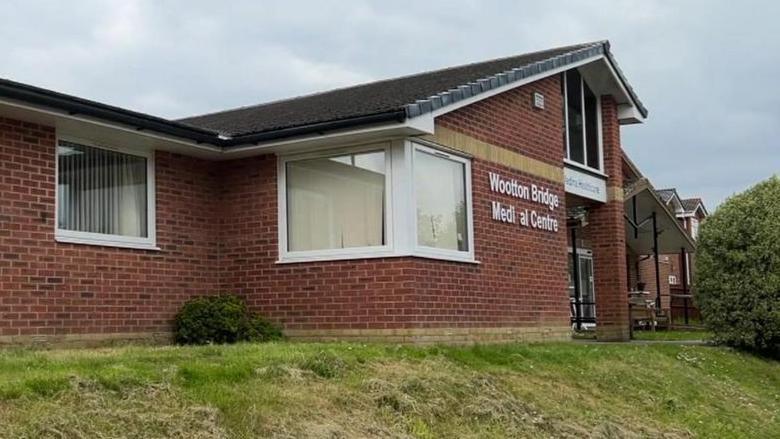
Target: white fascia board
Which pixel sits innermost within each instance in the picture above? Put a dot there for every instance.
(145, 133)
(417, 126)
(512, 85)
(627, 113)
(411, 127)
(638, 117)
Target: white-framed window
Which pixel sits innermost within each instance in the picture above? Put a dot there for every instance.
(105, 196)
(442, 203)
(399, 198)
(582, 122)
(335, 204)
(694, 227)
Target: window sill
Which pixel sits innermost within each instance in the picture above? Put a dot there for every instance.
(377, 255)
(106, 242)
(581, 167)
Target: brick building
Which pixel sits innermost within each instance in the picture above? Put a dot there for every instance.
(432, 207)
(677, 287)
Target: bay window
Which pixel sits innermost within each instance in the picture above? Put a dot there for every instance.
(395, 199)
(582, 116)
(104, 196)
(336, 202)
(440, 195)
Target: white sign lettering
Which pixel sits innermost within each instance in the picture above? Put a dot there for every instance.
(508, 213)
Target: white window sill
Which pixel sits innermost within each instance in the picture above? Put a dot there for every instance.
(102, 242)
(588, 169)
(374, 255)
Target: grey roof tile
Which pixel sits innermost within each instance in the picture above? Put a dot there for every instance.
(414, 94)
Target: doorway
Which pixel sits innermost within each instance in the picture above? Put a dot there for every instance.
(583, 311)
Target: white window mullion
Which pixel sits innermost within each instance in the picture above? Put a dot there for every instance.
(600, 133)
(99, 196)
(566, 114)
(584, 122)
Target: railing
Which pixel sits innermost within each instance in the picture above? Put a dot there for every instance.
(576, 314)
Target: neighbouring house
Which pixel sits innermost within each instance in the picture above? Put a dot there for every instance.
(676, 269)
(446, 206)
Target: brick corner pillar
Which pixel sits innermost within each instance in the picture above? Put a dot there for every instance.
(607, 235)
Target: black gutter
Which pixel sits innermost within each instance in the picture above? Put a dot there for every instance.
(76, 106)
(72, 105)
(318, 128)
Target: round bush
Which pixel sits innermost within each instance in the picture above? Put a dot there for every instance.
(221, 319)
(738, 269)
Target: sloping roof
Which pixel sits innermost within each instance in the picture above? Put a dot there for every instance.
(666, 194)
(389, 100)
(407, 96)
(691, 204)
(74, 105)
(639, 236)
(688, 205)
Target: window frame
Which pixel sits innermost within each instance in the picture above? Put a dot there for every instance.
(694, 227)
(599, 127)
(103, 239)
(433, 252)
(285, 255)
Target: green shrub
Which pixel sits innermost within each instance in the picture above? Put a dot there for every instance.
(221, 319)
(738, 269)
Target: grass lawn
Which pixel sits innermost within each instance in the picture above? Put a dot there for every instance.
(355, 390)
(673, 335)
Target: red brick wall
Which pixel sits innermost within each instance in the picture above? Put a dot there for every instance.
(217, 229)
(606, 232)
(49, 288)
(647, 275)
(520, 281)
(508, 120)
(522, 278)
(359, 294)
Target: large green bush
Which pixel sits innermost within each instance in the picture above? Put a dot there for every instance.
(221, 319)
(738, 269)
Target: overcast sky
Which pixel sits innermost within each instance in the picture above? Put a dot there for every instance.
(708, 72)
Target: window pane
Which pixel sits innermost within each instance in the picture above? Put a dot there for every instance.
(591, 128)
(101, 191)
(440, 189)
(336, 202)
(574, 108)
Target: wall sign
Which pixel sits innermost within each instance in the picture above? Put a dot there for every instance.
(509, 213)
(585, 185)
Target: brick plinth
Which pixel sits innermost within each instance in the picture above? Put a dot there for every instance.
(426, 336)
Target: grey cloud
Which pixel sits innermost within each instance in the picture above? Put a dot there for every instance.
(706, 69)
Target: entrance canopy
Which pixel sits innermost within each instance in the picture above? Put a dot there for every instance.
(642, 208)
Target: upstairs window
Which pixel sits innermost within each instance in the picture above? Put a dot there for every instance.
(582, 114)
(104, 196)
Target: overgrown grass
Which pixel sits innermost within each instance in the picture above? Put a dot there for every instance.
(356, 390)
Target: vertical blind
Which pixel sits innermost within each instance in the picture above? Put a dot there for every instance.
(336, 202)
(101, 191)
